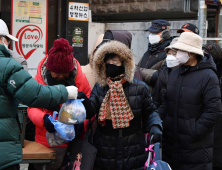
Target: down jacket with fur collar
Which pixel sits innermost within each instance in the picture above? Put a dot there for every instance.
(120, 149)
(193, 105)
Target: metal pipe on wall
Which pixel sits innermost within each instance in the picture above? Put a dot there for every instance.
(0, 5)
(59, 29)
(220, 24)
(187, 6)
(202, 19)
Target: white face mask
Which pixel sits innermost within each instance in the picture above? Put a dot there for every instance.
(182, 57)
(171, 61)
(3, 40)
(154, 38)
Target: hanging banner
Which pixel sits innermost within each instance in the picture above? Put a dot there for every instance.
(78, 11)
(29, 23)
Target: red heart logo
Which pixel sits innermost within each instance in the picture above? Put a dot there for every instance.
(20, 34)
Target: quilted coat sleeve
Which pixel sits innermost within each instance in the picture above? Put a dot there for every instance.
(147, 74)
(150, 116)
(95, 106)
(162, 110)
(212, 105)
(24, 88)
(155, 76)
(36, 116)
(156, 93)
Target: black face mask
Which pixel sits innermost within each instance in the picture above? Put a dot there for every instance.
(113, 71)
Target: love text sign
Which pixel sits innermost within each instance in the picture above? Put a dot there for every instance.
(29, 25)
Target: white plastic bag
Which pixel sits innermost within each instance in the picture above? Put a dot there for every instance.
(72, 112)
(63, 133)
(54, 140)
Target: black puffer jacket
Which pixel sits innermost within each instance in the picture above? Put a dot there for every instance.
(217, 161)
(150, 58)
(153, 56)
(193, 106)
(159, 93)
(124, 149)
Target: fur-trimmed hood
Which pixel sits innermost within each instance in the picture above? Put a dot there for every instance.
(122, 51)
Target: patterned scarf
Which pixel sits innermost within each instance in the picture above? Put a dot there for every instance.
(116, 102)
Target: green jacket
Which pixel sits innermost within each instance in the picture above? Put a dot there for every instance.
(18, 85)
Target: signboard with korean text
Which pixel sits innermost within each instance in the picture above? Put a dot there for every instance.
(78, 11)
(29, 23)
(77, 24)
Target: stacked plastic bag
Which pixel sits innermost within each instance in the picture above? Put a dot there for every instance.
(63, 133)
(71, 112)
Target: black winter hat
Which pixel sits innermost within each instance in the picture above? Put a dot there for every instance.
(215, 50)
(122, 36)
(159, 25)
(189, 28)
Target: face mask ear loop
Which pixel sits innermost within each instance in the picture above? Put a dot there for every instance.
(190, 55)
(6, 46)
(3, 38)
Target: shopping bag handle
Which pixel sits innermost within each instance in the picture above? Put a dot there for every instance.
(151, 139)
(156, 151)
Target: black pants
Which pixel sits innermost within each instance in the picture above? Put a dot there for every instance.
(30, 135)
(30, 131)
(13, 167)
(217, 168)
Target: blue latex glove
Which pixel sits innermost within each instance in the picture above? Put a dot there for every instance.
(48, 124)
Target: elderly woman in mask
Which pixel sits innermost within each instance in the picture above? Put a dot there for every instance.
(125, 110)
(159, 93)
(58, 67)
(192, 107)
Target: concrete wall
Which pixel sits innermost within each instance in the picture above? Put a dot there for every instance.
(95, 29)
(137, 29)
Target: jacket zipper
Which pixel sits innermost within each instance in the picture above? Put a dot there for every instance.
(176, 116)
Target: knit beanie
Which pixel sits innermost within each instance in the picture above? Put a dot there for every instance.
(60, 57)
(215, 50)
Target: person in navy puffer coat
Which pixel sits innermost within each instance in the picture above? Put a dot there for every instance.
(192, 107)
(216, 51)
(124, 110)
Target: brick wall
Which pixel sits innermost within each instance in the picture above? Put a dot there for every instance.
(137, 6)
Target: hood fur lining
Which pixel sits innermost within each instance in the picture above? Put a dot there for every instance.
(122, 51)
